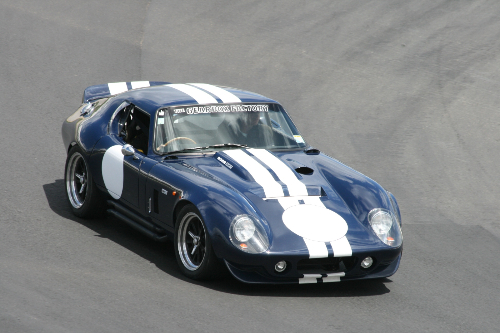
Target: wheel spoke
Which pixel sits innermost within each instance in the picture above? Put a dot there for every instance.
(194, 249)
(82, 188)
(193, 242)
(76, 180)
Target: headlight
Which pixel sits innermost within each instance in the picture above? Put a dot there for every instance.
(385, 226)
(244, 228)
(248, 235)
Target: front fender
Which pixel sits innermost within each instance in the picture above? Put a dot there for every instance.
(360, 193)
(217, 202)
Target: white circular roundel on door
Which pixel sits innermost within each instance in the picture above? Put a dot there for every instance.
(112, 171)
(315, 223)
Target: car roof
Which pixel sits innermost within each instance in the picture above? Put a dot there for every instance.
(151, 99)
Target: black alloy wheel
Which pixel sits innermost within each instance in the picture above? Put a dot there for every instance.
(192, 241)
(85, 198)
(193, 247)
(76, 180)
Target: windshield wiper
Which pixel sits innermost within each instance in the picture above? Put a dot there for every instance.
(222, 145)
(235, 145)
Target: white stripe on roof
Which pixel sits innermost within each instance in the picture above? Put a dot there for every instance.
(223, 94)
(198, 95)
(117, 87)
(139, 84)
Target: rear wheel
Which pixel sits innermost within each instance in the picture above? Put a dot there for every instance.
(85, 198)
(193, 248)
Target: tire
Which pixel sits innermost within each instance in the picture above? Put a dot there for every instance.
(193, 247)
(85, 199)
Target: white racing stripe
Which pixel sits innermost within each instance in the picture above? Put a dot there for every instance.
(284, 173)
(117, 87)
(223, 94)
(295, 198)
(315, 223)
(314, 200)
(261, 175)
(310, 278)
(198, 95)
(316, 249)
(273, 190)
(139, 84)
(341, 247)
(287, 202)
(112, 171)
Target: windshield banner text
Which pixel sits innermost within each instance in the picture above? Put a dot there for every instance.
(223, 108)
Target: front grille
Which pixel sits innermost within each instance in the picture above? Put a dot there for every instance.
(325, 265)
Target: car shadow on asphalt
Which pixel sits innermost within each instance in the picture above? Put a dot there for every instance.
(163, 256)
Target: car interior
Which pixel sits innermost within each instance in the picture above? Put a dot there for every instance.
(135, 128)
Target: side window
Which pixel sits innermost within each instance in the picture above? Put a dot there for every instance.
(136, 129)
(117, 122)
(132, 125)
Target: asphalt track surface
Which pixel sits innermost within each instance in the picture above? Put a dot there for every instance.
(405, 91)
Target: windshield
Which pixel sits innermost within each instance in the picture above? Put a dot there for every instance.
(213, 127)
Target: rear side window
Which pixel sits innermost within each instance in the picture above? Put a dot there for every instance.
(131, 124)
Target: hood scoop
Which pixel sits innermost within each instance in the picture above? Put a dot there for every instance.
(265, 175)
(300, 168)
(304, 170)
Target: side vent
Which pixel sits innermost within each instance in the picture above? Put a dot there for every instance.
(155, 202)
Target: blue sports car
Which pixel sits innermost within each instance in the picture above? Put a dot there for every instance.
(225, 174)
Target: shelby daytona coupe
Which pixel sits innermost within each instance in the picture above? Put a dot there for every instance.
(225, 174)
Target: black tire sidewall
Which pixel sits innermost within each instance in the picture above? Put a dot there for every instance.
(210, 267)
(94, 203)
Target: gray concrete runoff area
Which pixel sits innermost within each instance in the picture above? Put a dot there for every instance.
(406, 92)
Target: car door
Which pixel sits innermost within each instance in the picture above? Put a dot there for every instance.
(121, 170)
(131, 174)
(161, 194)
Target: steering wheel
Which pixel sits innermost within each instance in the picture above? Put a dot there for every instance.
(175, 139)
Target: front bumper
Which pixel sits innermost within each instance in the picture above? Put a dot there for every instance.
(300, 269)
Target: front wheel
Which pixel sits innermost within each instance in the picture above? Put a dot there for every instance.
(193, 248)
(84, 197)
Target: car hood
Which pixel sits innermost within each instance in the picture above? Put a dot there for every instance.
(311, 197)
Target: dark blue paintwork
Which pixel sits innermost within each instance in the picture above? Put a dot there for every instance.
(220, 193)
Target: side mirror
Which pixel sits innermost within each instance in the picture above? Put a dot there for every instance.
(128, 150)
